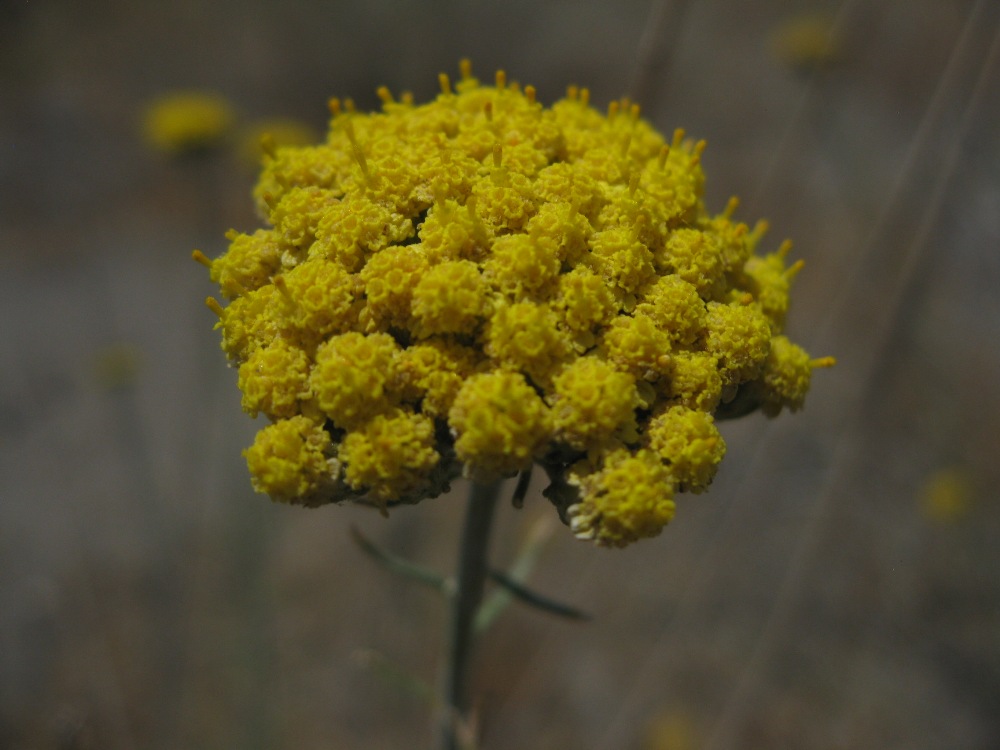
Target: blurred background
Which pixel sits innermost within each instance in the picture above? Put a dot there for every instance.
(839, 587)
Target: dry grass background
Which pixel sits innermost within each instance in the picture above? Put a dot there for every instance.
(149, 600)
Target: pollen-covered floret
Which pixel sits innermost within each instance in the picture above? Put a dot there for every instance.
(389, 278)
(583, 300)
(591, 401)
(290, 461)
(251, 261)
(525, 337)
(391, 456)
(246, 323)
(786, 377)
(696, 257)
(500, 424)
(316, 299)
(694, 380)
(688, 441)
(274, 380)
(522, 265)
(636, 344)
(432, 372)
(629, 498)
(770, 283)
(354, 377)
(480, 283)
(676, 308)
(355, 228)
(449, 298)
(740, 336)
(453, 232)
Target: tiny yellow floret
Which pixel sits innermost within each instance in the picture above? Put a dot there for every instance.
(274, 380)
(629, 498)
(688, 441)
(290, 461)
(391, 456)
(593, 400)
(500, 423)
(354, 377)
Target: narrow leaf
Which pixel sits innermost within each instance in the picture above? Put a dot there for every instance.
(528, 596)
(418, 573)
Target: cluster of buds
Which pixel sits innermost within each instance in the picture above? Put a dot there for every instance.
(479, 284)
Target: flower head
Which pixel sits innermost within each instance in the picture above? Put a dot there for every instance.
(479, 283)
(186, 121)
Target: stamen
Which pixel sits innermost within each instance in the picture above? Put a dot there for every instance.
(465, 68)
(633, 185)
(664, 153)
(497, 155)
(445, 83)
(699, 149)
(759, 230)
(385, 95)
(282, 286)
(334, 106)
(678, 138)
(199, 256)
(356, 152)
(823, 362)
(501, 80)
(529, 93)
(572, 92)
(731, 207)
(268, 145)
(793, 270)
(213, 304)
(626, 143)
(488, 111)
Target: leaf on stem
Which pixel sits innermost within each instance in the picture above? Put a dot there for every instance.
(395, 564)
(539, 601)
(518, 572)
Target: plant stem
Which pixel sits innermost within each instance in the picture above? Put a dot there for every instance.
(472, 571)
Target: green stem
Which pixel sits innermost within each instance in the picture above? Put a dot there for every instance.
(472, 572)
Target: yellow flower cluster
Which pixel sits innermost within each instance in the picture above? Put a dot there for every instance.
(187, 121)
(480, 283)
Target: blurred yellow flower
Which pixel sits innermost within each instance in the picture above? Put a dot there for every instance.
(805, 41)
(947, 495)
(186, 121)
